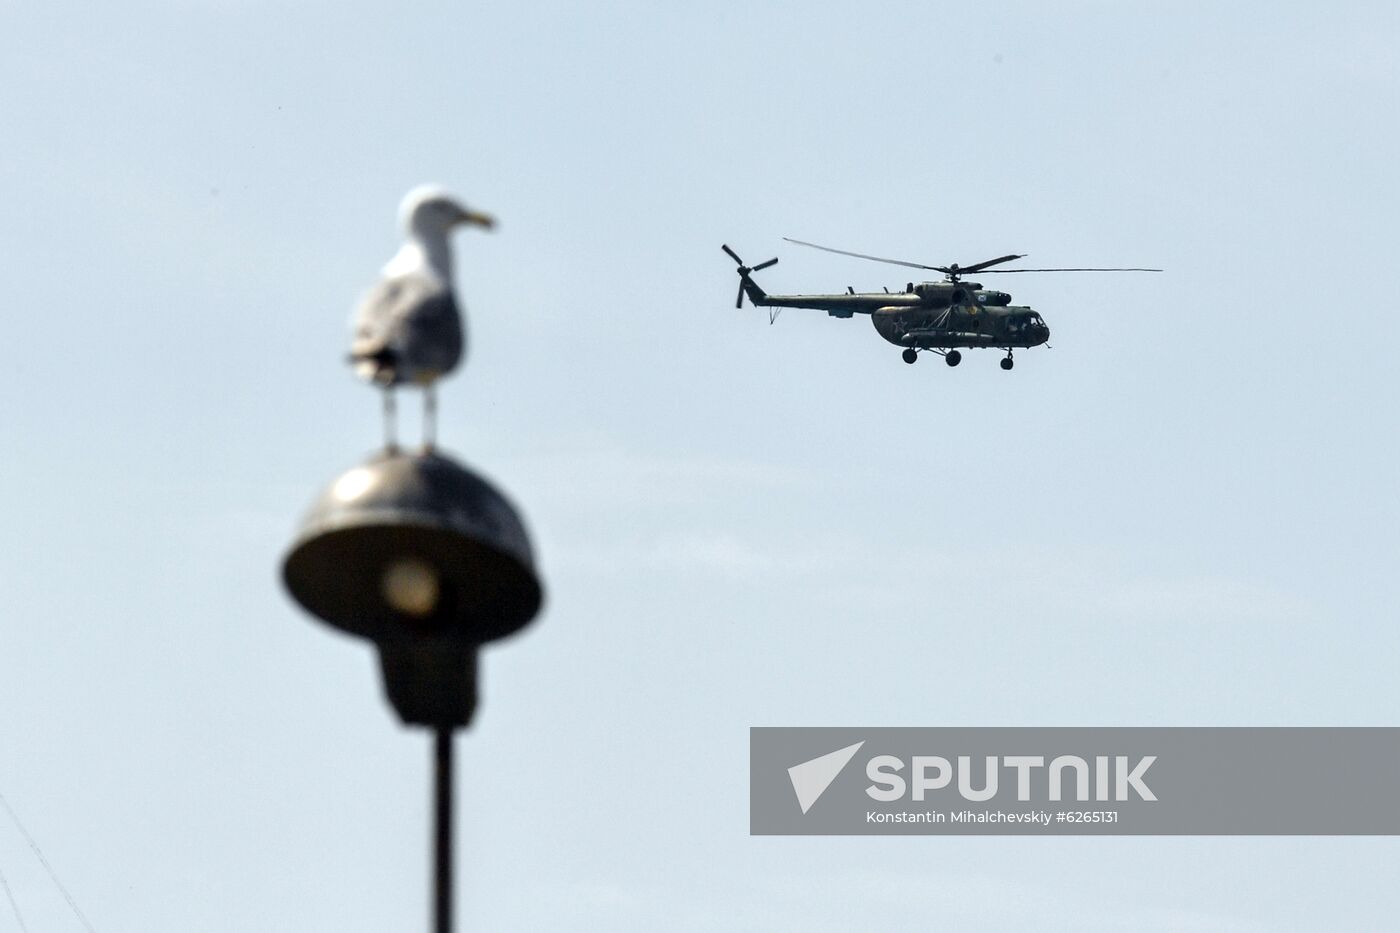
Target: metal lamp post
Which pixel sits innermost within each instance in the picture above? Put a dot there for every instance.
(429, 561)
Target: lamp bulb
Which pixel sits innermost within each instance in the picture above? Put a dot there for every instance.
(411, 586)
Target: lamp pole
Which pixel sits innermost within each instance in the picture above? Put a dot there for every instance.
(427, 560)
(442, 795)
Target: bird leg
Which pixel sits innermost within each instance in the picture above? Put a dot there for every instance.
(429, 416)
(391, 444)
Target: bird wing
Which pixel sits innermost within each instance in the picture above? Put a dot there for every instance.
(407, 329)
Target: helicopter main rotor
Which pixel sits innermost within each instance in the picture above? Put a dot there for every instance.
(955, 272)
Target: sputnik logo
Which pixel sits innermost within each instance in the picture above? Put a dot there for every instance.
(811, 778)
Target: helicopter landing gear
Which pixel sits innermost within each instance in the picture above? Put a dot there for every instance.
(952, 358)
(1008, 362)
(910, 355)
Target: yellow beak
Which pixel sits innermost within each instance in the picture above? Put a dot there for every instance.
(477, 218)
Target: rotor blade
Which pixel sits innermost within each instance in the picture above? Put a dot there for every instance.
(765, 265)
(732, 255)
(1080, 269)
(979, 266)
(739, 300)
(897, 262)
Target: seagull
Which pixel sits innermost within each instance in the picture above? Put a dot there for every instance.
(408, 329)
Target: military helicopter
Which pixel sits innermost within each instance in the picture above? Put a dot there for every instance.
(939, 317)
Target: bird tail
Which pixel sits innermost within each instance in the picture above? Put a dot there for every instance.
(378, 366)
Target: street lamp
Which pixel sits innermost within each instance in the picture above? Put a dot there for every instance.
(429, 561)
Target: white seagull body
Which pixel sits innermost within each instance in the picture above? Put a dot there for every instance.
(408, 330)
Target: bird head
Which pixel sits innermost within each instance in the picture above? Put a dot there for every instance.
(428, 211)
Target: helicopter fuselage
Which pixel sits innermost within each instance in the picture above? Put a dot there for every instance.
(941, 315)
(1005, 327)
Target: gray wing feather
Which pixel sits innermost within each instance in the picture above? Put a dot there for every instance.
(407, 329)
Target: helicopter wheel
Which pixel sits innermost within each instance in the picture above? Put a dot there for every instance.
(911, 355)
(953, 358)
(1008, 363)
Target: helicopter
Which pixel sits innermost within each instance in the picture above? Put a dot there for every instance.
(939, 317)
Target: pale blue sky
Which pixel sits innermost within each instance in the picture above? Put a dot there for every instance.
(1183, 514)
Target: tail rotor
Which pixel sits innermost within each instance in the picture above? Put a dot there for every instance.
(744, 272)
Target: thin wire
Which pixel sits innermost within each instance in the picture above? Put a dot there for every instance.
(13, 906)
(45, 862)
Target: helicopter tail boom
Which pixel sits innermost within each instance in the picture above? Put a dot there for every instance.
(757, 296)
